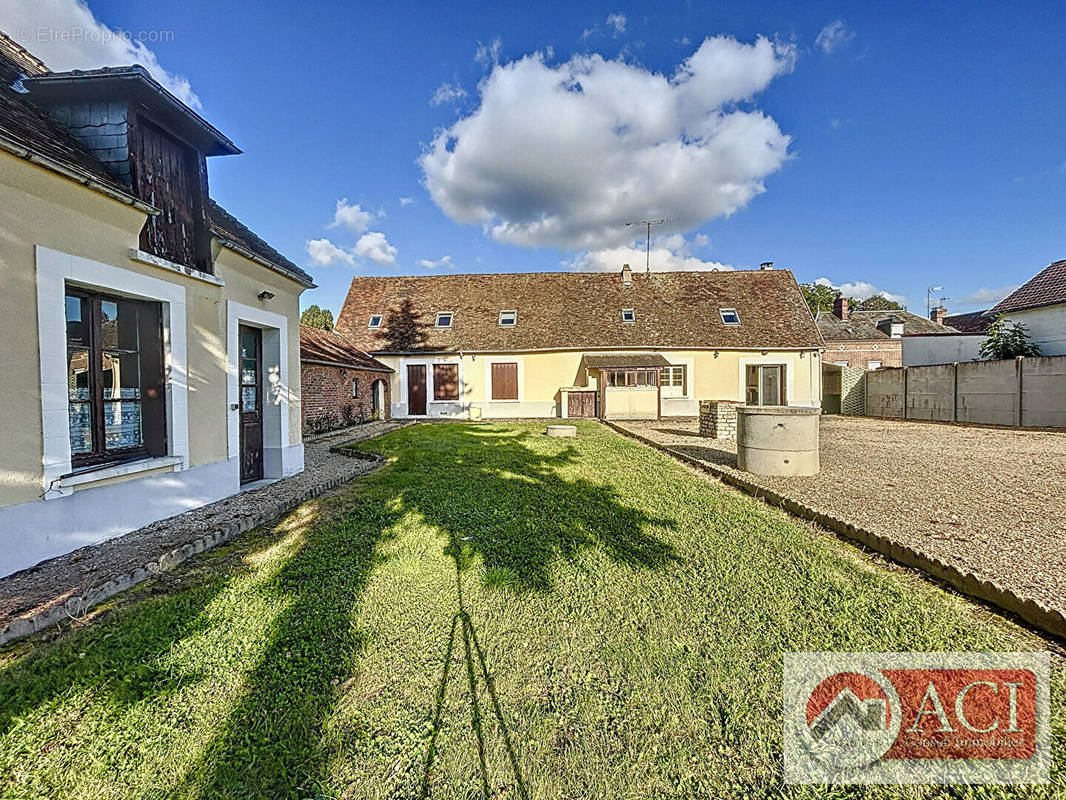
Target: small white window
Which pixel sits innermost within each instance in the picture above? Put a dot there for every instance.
(444, 319)
(375, 321)
(729, 316)
(629, 316)
(355, 387)
(508, 319)
(873, 365)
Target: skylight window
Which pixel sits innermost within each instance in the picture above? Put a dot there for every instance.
(444, 319)
(508, 319)
(629, 316)
(729, 316)
(375, 321)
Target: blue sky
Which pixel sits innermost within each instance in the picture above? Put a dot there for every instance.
(896, 146)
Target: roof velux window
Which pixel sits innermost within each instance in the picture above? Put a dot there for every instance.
(629, 316)
(444, 319)
(375, 321)
(508, 319)
(729, 316)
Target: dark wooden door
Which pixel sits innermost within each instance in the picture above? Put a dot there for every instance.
(581, 404)
(251, 403)
(416, 389)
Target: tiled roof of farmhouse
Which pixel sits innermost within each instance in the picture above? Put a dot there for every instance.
(1046, 288)
(327, 347)
(862, 325)
(583, 310)
(973, 322)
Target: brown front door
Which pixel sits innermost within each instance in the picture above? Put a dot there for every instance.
(416, 389)
(581, 404)
(251, 403)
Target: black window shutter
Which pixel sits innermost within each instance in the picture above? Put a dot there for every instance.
(153, 381)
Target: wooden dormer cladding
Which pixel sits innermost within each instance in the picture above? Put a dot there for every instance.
(172, 176)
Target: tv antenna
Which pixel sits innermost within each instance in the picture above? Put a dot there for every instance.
(647, 248)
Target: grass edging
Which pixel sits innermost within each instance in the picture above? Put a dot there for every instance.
(79, 604)
(1046, 619)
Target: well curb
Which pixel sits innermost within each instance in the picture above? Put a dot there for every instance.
(1036, 614)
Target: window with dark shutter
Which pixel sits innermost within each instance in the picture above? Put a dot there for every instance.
(505, 381)
(115, 385)
(445, 381)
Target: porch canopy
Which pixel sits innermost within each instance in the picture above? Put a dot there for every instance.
(624, 361)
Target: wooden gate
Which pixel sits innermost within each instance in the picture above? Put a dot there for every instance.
(581, 404)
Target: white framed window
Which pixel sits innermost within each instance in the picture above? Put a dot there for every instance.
(375, 321)
(355, 387)
(444, 319)
(672, 380)
(508, 319)
(873, 365)
(729, 316)
(765, 385)
(629, 316)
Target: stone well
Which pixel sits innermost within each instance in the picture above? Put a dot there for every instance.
(777, 440)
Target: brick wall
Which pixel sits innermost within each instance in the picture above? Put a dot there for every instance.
(858, 354)
(327, 398)
(718, 418)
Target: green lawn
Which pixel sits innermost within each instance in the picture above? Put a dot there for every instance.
(620, 619)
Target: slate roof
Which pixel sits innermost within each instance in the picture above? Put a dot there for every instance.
(862, 325)
(1046, 288)
(974, 322)
(583, 310)
(326, 347)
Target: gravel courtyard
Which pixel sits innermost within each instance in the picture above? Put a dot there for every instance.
(992, 501)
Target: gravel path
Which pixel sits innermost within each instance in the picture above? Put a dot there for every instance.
(987, 500)
(54, 581)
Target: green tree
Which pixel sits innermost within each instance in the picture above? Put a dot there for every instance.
(1007, 339)
(877, 303)
(818, 296)
(316, 317)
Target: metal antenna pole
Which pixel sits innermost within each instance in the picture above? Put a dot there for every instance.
(647, 245)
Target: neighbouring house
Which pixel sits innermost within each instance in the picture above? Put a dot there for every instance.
(611, 345)
(151, 362)
(339, 383)
(1040, 305)
(875, 339)
(946, 344)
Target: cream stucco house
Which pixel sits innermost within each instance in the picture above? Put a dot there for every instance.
(620, 345)
(151, 360)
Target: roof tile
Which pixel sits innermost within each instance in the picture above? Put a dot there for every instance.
(1046, 288)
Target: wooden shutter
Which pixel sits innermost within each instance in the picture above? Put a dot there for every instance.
(505, 381)
(445, 381)
(153, 380)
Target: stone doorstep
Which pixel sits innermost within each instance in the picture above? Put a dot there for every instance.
(1048, 620)
(78, 605)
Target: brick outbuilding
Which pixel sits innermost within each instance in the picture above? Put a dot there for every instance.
(340, 384)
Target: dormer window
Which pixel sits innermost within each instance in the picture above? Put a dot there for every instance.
(508, 319)
(629, 316)
(729, 316)
(444, 319)
(375, 321)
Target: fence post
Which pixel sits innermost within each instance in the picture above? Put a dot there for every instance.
(955, 391)
(1018, 404)
(905, 393)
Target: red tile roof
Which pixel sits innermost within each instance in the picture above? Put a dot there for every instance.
(974, 322)
(583, 310)
(1046, 288)
(326, 347)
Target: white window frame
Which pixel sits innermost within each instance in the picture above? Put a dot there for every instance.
(372, 324)
(722, 315)
(514, 318)
(631, 313)
(873, 361)
(449, 314)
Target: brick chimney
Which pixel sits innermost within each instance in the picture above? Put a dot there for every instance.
(627, 275)
(938, 314)
(840, 307)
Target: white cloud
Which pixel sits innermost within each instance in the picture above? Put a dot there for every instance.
(324, 253)
(565, 155)
(488, 55)
(443, 261)
(351, 217)
(833, 36)
(985, 296)
(375, 247)
(447, 93)
(668, 254)
(861, 290)
(406, 201)
(66, 35)
(617, 22)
